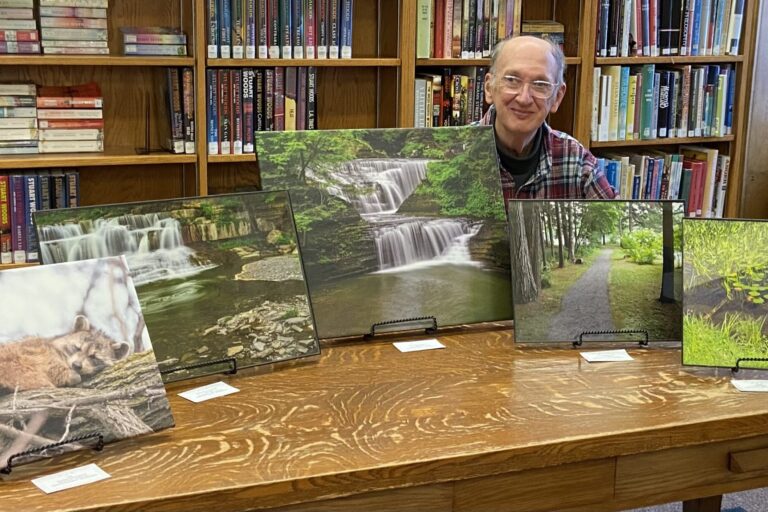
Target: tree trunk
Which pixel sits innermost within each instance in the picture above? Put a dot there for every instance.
(560, 241)
(668, 256)
(549, 229)
(571, 232)
(525, 287)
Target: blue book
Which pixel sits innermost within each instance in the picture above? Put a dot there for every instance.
(696, 28)
(636, 187)
(645, 26)
(648, 179)
(345, 20)
(730, 100)
(225, 29)
(213, 111)
(297, 28)
(613, 173)
(72, 186)
(658, 173)
(623, 99)
(286, 43)
(602, 34)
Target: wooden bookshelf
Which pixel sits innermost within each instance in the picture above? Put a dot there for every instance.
(661, 142)
(94, 60)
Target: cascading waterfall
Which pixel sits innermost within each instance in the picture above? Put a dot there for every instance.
(377, 189)
(153, 246)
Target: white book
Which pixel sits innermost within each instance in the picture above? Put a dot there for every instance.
(71, 134)
(18, 122)
(18, 90)
(18, 134)
(101, 4)
(70, 146)
(69, 113)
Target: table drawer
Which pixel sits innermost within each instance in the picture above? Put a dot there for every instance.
(712, 469)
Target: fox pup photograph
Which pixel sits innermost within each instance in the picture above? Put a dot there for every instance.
(75, 358)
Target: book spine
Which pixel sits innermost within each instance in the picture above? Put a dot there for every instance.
(333, 43)
(6, 24)
(237, 112)
(310, 29)
(225, 29)
(6, 245)
(73, 12)
(663, 109)
(258, 102)
(46, 22)
(263, 23)
(456, 38)
(269, 99)
(18, 112)
(291, 92)
(322, 29)
(69, 102)
(301, 98)
(32, 201)
(213, 28)
(274, 33)
(311, 98)
(225, 111)
(250, 32)
(74, 34)
(213, 111)
(424, 16)
(735, 27)
(17, 101)
(100, 4)
(72, 134)
(70, 146)
(70, 123)
(280, 99)
(72, 180)
(155, 39)
(188, 92)
(238, 43)
(18, 134)
(17, 122)
(19, 35)
(18, 216)
(69, 113)
(730, 99)
(297, 28)
(623, 103)
(286, 30)
(154, 49)
(247, 93)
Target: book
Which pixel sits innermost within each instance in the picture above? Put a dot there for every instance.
(76, 96)
(69, 123)
(102, 4)
(70, 113)
(18, 112)
(72, 134)
(175, 142)
(212, 11)
(9, 89)
(269, 99)
(212, 105)
(153, 35)
(73, 12)
(225, 112)
(237, 112)
(18, 122)
(57, 22)
(188, 104)
(74, 34)
(248, 108)
(311, 98)
(345, 34)
(75, 50)
(155, 49)
(238, 42)
(75, 146)
(73, 44)
(19, 35)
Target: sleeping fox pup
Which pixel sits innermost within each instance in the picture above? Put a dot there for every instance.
(62, 361)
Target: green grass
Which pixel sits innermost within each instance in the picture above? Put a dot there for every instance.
(541, 312)
(708, 344)
(633, 291)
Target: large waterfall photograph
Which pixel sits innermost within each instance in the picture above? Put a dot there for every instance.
(395, 223)
(217, 277)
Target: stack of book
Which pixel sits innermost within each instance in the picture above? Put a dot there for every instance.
(74, 27)
(18, 119)
(70, 119)
(18, 30)
(154, 41)
(545, 29)
(21, 195)
(181, 105)
(454, 98)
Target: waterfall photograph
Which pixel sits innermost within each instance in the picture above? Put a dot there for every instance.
(725, 292)
(395, 223)
(79, 361)
(585, 266)
(217, 277)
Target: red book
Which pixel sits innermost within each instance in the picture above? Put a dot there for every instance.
(70, 123)
(75, 96)
(19, 35)
(652, 25)
(439, 32)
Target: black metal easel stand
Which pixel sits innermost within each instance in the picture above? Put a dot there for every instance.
(643, 342)
(736, 368)
(429, 324)
(27, 453)
(229, 360)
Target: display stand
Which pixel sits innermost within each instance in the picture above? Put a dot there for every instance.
(28, 453)
(229, 360)
(428, 323)
(643, 342)
(736, 368)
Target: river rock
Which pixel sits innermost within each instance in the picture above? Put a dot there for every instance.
(259, 345)
(233, 351)
(277, 268)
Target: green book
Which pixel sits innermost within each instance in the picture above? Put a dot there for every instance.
(648, 107)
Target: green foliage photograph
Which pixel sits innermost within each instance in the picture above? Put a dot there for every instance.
(726, 292)
(217, 277)
(395, 223)
(584, 266)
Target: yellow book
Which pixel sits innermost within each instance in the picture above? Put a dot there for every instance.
(613, 120)
(631, 105)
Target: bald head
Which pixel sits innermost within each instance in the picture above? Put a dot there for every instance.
(521, 45)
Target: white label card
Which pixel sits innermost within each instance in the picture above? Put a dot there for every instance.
(70, 478)
(604, 356)
(415, 346)
(758, 386)
(204, 393)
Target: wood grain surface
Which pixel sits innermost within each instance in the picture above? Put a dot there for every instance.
(366, 418)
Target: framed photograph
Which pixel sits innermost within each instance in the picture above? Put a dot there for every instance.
(395, 223)
(592, 266)
(217, 276)
(75, 358)
(725, 295)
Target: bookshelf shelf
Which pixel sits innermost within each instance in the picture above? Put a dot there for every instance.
(706, 59)
(335, 63)
(248, 157)
(110, 157)
(94, 60)
(570, 61)
(660, 142)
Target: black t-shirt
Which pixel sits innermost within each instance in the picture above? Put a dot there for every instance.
(521, 167)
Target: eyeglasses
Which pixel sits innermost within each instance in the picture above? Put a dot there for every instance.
(540, 89)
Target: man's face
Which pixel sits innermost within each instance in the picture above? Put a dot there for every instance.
(519, 112)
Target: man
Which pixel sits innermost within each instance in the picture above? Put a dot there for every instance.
(524, 85)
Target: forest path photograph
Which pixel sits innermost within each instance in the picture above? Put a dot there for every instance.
(586, 305)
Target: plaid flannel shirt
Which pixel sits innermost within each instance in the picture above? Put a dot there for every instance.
(567, 170)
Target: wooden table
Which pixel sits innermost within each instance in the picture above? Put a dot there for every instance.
(482, 425)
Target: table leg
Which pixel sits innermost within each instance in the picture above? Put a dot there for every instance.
(711, 504)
